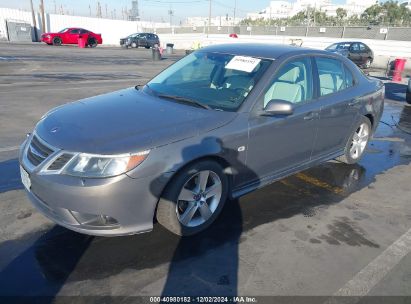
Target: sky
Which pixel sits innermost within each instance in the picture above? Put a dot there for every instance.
(150, 10)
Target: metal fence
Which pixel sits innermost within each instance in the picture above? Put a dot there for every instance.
(360, 32)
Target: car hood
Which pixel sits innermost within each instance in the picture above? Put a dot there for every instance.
(125, 121)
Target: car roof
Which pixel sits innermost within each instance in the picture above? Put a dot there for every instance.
(348, 42)
(261, 50)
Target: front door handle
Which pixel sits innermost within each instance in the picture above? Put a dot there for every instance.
(311, 116)
(353, 102)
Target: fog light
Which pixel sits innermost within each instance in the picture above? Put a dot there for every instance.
(108, 220)
(96, 220)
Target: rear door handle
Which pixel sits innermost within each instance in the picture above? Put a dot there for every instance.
(311, 116)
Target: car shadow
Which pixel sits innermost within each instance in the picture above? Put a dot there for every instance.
(216, 272)
(10, 175)
(42, 263)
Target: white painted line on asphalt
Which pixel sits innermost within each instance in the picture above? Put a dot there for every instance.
(102, 86)
(392, 139)
(9, 149)
(362, 283)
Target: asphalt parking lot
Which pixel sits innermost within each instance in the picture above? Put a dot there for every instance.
(334, 229)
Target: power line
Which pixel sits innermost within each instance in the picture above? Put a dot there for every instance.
(230, 7)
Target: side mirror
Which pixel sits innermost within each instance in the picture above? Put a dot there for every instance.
(278, 107)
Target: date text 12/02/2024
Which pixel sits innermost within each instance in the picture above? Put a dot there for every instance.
(205, 299)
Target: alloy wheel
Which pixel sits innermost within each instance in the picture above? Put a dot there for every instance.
(359, 141)
(199, 198)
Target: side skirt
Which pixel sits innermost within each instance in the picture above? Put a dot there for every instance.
(254, 185)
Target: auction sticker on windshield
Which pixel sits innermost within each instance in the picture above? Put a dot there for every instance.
(242, 63)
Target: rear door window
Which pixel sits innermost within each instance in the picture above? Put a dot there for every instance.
(349, 78)
(355, 47)
(331, 75)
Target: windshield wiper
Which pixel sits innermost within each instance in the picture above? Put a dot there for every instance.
(185, 100)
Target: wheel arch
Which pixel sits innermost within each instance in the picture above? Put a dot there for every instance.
(370, 118)
(224, 163)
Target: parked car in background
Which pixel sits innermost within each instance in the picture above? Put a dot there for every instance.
(71, 36)
(147, 40)
(223, 121)
(126, 41)
(358, 52)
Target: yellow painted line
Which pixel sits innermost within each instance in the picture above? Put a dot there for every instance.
(319, 183)
(298, 189)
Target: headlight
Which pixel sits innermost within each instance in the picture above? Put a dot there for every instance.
(91, 165)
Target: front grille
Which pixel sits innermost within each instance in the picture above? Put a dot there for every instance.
(37, 152)
(60, 162)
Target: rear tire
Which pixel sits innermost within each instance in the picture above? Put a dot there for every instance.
(357, 143)
(193, 199)
(57, 41)
(92, 42)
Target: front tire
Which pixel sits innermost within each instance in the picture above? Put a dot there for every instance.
(193, 199)
(134, 45)
(357, 143)
(57, 41)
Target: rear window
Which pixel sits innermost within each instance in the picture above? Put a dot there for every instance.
(349, 79)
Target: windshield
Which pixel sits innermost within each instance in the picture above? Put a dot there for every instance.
(63, 30)
(339, 46)
(219, 81)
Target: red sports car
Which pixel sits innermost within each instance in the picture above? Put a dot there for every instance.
(71, 36)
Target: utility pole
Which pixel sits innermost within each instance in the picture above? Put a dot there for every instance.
(43, 17)
(171, 13)
(33, 17)
(99, 14)
(209, 18)
(235, 8)
(270, 13)
(89, 8)
(55, 6)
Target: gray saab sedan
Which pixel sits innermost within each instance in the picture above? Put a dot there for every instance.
(221, 122)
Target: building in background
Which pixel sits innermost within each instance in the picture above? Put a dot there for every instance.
(134, 14)
(279, 9)
(407, 4)
(215, 21)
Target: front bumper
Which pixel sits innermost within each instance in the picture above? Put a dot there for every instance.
(47, 40)
(125, 42)
(112, 206)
